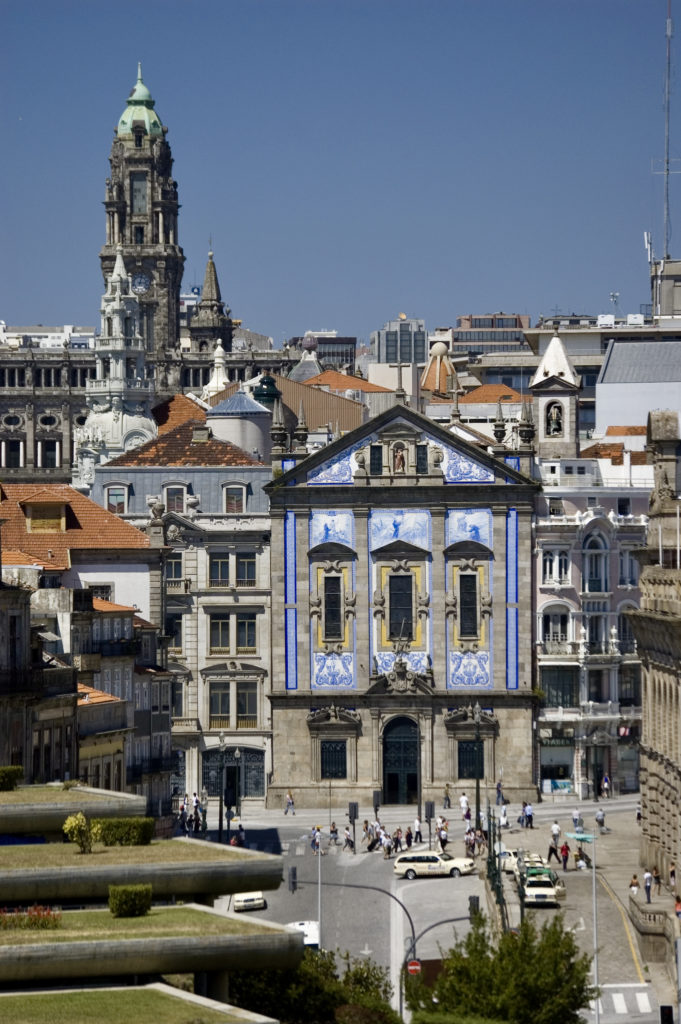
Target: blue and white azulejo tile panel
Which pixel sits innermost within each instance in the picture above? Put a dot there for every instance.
(469, 670)
(390, 525)
(418, 661)
(469, 524)
(333, 672)
(340, 469)
(332, 527)
(458, 468)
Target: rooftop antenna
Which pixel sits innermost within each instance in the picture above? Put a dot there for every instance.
(615, 300)
(667, 104)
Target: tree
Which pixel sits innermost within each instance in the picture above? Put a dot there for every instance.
(315, 992)
(531, 977)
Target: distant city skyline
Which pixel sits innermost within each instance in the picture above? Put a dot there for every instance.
(348, 160)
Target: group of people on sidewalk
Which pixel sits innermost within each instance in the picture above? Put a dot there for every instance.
(653, 880)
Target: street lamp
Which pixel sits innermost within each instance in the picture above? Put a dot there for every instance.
(237, 758)
(223, 753)
(477, 710)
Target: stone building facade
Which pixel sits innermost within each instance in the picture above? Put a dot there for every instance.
(400, 554)
(657, 628)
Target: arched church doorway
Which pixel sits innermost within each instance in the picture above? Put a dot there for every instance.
(400, 762)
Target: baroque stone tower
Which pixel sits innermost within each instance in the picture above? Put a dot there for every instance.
(211, 323)
(141, 215)
(119, 400)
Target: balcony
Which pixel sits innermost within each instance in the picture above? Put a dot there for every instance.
(219, 722)
(122, 648)
(184, 724)
(247, 650)
(219, 584)
(595, 585)
(247, 722)
(559, 647)
(241, 581)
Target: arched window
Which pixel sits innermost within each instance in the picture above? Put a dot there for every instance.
(555, 628)
(554, 419)
(595, 566)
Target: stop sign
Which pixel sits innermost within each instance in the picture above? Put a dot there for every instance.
(414, 967)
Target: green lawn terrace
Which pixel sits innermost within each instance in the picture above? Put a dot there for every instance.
(40, 811)
(110, 1005)
(93, 945)
(177, 869)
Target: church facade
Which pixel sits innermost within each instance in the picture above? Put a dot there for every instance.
(401, 561)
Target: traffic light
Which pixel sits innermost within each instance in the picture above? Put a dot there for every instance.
(292, 879)
(473, 907)
(430, 810)
(353, 812)
(666, 1015)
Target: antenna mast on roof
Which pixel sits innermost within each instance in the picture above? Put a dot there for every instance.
(667, 105)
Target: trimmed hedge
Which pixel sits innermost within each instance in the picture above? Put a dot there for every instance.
(125, 831)
(10, 776)
(129, 900)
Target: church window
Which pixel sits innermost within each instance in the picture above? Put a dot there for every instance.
(138, 188)
(13, 458)
(376, 459)
(468, 604)
(50, 455)
(471, 759)
(48, 421)
(333, 757)
(421, 458)
(175, 499)
(139, 234)
(401, 612)
(554, 419)
(138, 140)
(234, 499)
(333, 608)
(624, 506)
(116, 500)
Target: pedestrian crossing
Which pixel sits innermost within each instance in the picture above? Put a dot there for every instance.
(632, 1001)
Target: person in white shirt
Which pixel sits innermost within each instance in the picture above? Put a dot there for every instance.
(463, 804)
(418, 838)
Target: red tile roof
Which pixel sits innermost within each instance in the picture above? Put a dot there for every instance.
(87, 525)
(20, 558)
(631, 431)
(336, 381)
(178, 448)
(491, 393)
(100, 605)
(613, 450)
(88, 695)
(177, 410)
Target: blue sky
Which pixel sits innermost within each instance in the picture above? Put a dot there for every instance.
(350, 159)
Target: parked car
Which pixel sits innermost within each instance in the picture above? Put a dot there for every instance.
(527, 860)
(413, 865)
(556, 880)
(539, 891)
(249, 901)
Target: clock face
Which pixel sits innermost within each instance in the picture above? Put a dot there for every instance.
(140, 284)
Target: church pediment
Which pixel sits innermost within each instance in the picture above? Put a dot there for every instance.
(554, 384)
(400, 549)
(468, 549)
(401, 679)
(231, 669)
(331, 550)
(331, 715)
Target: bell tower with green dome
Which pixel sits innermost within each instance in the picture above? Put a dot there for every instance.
(141, 217)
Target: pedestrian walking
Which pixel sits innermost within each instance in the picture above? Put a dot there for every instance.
(503, 817)
(634, 884)
(333, 834)
(555, 831)
(409, 837)
(638, 814)
(529, 816)
(657, 881)
(600, 818)
(447, 801)
(418, 838)
(290, 804)
(500, 794)
(605, 786)
(565, 854)
(647, 883)
(553, 850)
(348, 844)
(463, 804)
(672, 876)
(575, 818)
(677, 905)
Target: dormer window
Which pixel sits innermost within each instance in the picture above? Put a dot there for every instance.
(116, 499)
(47, 518)
(234, 499)
(175, 496)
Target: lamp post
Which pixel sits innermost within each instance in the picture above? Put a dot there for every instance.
(477, 710)
(237, 758)
(223, 754)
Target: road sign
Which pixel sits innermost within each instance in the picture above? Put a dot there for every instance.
(414, 967)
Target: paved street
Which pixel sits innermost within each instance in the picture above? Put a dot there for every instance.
(369, 923)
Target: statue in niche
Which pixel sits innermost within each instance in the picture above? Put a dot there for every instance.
(554, 419)
(398, 460)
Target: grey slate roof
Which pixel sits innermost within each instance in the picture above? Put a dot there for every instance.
(238, 404)
(642, 362)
